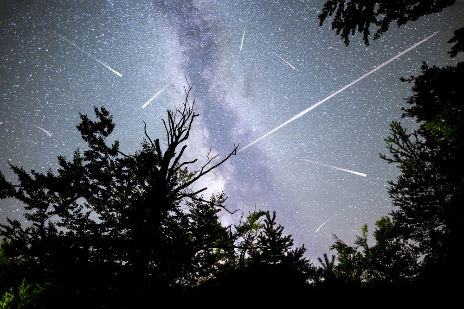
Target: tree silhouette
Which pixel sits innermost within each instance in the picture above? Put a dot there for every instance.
(328, 266)
(152, 228)
(428, 193)
(274, 249)
(359, 15)
(234, 248)
(393, 258)
(352, 263)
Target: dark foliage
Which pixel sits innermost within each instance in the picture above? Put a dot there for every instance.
(429, 192)
(359, 15)
(152, 232)
(275, 249)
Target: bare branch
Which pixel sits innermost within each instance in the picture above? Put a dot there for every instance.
(184, 163)
(146, 134)
(193, 197)
(204, 172)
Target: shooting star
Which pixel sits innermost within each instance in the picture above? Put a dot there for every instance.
(324, 223)
(338, 91)
(338, 168)
(286, 62)
(88, 54)
(244, 30)
(144, 105)
(41, 129)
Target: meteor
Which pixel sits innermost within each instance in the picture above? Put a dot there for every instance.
(246, 22)
(41, 129)
(88, 54)
(286, 62)
(338, 91)
(144, 105)
(324, 223)
(338, 168)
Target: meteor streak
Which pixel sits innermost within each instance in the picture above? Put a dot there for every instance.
(41, 129)
(324, 223)
(144, 105)
(338, 168)
(246, 22)
(88, 54)
(286, 62)
(338, 91)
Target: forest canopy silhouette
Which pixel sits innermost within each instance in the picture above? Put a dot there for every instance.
(158, 238)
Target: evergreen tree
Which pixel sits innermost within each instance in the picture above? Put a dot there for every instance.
(429, 192)
(152, 229)
(275, 249)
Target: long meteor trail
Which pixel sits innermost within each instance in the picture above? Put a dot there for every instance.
(88, 54)
(338, 168)
(41, 129)
(338, 91)
(244, 30)
(324, 223)
(144, 105)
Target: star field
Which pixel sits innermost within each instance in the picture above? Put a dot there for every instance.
(54, 64)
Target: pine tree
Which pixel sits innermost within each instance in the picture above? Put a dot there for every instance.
(275, 249)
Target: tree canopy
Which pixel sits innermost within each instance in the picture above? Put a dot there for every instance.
(428, 193)
(350, 16)
(152, 228)
(108, 224)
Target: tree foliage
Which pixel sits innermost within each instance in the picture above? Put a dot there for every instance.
(393, 257)
(328, 266)
(109, 224)
(352, 263)
(152, 228)
(428, 193)
(363, 15)
(235, 247)
(275, 249)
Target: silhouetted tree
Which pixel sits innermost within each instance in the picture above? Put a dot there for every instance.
(275, 249)
(352, 262)
(394, 257)
(152, 229)
(207, 235)
(234, 249)
(360, 15)
(328, 266)
(429, 192)
(273, 272)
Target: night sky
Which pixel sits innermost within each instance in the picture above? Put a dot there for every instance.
(62, 58)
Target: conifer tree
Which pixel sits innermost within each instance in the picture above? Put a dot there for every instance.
(273, 248)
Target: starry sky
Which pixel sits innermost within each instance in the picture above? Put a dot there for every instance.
(62, 58)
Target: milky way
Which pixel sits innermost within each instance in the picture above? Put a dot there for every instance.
(252, 65)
